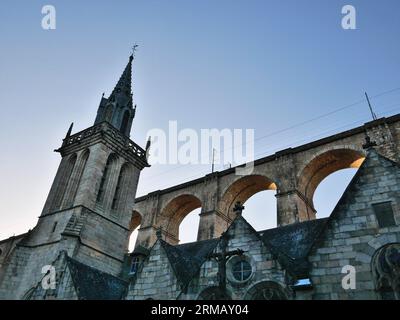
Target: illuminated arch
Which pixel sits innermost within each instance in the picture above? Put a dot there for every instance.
(134, 224)
(176, 210)
(242, 189)
(323, 165)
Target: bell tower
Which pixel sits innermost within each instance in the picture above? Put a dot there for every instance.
(88, 211)
(93, 193)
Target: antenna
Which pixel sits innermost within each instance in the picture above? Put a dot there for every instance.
(213, 159)
(370, 107)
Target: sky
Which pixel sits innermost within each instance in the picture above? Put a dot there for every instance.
(263, 65)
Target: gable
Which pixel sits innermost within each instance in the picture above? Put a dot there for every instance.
(376, 181)
(186, 259)
(93, 284)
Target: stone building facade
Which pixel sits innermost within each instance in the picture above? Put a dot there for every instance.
(79, 247)
(306, 260)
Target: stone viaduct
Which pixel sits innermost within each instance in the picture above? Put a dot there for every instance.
(294, 173)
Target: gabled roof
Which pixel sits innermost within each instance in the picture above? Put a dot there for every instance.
(352, 186)
(93, 284)
(289, 244)
(292, 243)
(293, 240)
(186, 259)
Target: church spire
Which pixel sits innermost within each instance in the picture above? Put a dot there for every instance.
(118, 109)
(122, 93)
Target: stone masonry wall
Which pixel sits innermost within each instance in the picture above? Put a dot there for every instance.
(353, 235)
(156, 279)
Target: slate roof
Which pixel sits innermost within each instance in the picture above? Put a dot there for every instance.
(292, 243)
(186, 259)
(93, 284)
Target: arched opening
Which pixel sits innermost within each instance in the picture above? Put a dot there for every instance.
(189, 226)
(108, 112)
(330, 190)
(121, 188)
(257, 192)
(66, 172)
(267, 290)
(174, 213)
(385, 265)
(75, 179)
(134, 227)
(105, 178)
(125, 121)
(324, 165)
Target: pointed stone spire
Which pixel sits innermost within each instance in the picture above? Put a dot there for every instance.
(118, 109)
(122, 92)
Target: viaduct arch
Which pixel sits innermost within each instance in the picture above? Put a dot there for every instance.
(294, 173)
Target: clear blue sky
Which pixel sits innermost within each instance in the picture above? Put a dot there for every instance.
(265, 65)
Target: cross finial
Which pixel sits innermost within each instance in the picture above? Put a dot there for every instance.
(238, 208)
(159, 233)
(368, 143)
(134, 48)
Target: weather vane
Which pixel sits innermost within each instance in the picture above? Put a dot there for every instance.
(134, 48)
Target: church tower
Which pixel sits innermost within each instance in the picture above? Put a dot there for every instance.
(88, 211)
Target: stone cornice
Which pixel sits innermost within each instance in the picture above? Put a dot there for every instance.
(107, 134)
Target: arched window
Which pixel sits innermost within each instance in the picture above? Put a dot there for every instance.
(66, 171)
(108, 113)
(134, 265)
(121, 182)
(385, 265)
(105, 178)
(125, 121)
(74, 180)
(267, 290)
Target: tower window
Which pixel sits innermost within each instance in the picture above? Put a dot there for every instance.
(103, 184)
(384, 214)
(124, 123)
(117, 190)
(54, 227)
(108, 113)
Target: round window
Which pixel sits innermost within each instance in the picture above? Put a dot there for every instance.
(241, 270)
